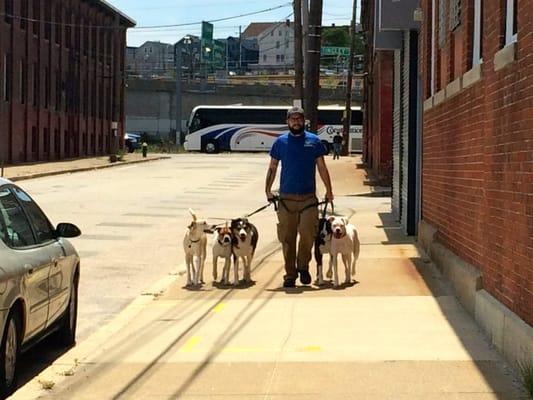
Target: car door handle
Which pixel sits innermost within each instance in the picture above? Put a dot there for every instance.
(28, 268)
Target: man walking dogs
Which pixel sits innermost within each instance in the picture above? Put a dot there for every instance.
(300, 152)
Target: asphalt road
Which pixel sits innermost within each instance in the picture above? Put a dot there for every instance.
(133, 219)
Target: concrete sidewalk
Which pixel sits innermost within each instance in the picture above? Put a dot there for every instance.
(397, 332)
(37, 170)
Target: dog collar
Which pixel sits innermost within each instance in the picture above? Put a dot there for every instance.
(194, 241)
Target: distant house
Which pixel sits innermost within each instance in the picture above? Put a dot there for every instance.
(150, 59)
(242, 53)
(191, 47)
(276, 46)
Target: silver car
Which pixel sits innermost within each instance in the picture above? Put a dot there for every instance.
(39, 276)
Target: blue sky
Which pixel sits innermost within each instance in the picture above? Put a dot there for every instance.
(164, 12)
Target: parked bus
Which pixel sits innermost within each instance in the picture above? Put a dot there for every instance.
(254, 128)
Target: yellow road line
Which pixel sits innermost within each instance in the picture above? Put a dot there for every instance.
(191, 344)
(219, 307)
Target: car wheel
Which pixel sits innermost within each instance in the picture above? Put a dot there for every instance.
(10, 351)
(327, 145)
(67, 331)
(211, 147)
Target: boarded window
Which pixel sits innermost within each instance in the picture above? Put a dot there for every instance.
(455, 14)
(442, 23)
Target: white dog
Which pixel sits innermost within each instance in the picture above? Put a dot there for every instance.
(222, 248)
(344, 241)
(194, 244)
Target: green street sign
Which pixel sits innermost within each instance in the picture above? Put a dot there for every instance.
(335, 51)
(207, 41)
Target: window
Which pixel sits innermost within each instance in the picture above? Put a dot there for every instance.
(46, 137)
(282, 57)
(511, 28)
(455, 14)
(47, 23)
(36, 85)
(57, 143)
(264, 57)
(58, 24)
(46, 87)
(23, 14)
(36, 17)
(279, 33)
(277, 45)
(442, 23)
(8, 77)
(431, 65)
(277, 57)
(15, 230)
(8, 11)
(43, 229)
(23, 81)
(58, 90)
(477, 54)
(34, 140)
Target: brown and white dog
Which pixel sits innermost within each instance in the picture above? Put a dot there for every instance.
(222, 248)
(344, 241)
(194, 244)
(245, 237)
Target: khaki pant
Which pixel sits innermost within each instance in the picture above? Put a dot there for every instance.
(297, 217)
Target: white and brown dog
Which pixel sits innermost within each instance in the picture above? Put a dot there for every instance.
(344, 241)
(245, 237)
(195, 244)
(222, 248)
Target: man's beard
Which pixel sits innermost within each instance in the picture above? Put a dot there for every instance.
(297, 131)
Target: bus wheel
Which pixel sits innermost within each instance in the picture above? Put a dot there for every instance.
(327, 145)
(211, 147)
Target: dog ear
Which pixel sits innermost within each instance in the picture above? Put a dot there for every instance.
(345, 220)
(331, 218)
(218, 229)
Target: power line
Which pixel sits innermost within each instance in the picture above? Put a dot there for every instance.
(18, 17)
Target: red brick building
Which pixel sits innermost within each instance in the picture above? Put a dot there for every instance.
(61, 79)
(477, 162)
(377, 101)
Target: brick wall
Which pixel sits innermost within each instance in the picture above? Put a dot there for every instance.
(377, 121)
(66, 80)
(477, 184)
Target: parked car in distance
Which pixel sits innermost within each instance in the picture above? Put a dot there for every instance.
(39, 277)
(132, 141)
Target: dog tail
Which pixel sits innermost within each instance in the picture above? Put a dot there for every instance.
(357, 247)
(193, 214)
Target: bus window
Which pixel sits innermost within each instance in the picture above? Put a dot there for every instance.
(195, 124)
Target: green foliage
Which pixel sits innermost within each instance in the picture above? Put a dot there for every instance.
(336, 36)
(526, 371)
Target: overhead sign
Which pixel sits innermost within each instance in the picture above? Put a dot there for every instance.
(335, 51)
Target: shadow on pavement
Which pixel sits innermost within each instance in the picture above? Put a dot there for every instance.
(492, 370)
(38, 358)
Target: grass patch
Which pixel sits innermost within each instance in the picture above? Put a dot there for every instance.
(526, 373)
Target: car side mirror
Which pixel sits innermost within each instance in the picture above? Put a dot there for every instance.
(67, 230)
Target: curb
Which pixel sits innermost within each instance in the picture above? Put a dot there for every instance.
(83, 169)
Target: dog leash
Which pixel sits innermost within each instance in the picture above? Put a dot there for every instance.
(326, 202)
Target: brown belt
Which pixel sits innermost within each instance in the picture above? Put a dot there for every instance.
(297, 197)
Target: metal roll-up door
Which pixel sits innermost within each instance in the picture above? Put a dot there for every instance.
(396, 131)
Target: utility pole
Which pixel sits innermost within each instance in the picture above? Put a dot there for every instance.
(313, 61)
(177, 62)
(305, 36)
(298, 59)
(240, 49)
(348, 108)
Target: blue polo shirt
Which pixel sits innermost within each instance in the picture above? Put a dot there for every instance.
(298, 156)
